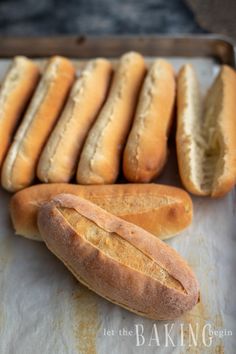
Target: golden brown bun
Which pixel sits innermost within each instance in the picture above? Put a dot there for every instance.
(146, 148)
(100, 158)
(118, 260)
(15, 92)
(60, 155)
(206, 142)
(21, 160)
(161, 210)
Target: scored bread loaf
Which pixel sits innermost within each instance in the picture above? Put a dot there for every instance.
(100, 157)
(206, 138)
(145, 152)
(118, 260)
(161, 210)
(15, 92)
(60, 155)
(19, 167)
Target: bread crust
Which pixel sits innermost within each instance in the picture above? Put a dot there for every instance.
(161, 210)
(124, 285)
(60, 155)
(146, 149)
(214, 129)
(21, 161)
(100, 158)
(15, 92)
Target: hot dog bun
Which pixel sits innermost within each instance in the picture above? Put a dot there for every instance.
(100, 158)
(206, 142)
(161, 210)
(15, 92)
(146, 149)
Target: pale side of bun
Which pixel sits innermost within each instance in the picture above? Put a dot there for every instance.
(21, 160)
(15, 92)
(100, 158)
(161, 210)
(60, 155)
(206, 141)
(146, 149)
(118, 260)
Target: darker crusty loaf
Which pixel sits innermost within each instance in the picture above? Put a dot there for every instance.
(118, 260)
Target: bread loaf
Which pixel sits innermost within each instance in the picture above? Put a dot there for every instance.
(146, 149)
(15, 92)
(161, 210)
(118, 260)
(206, 136)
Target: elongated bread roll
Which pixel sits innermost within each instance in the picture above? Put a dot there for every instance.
(146, 148)
(118, 260)
(161, 210)
(100, 158)
(15, 92)
(60, 155)
(21, 161)
(206, 142)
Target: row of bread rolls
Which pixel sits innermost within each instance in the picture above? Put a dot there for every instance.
(95, 97)
(103, 120)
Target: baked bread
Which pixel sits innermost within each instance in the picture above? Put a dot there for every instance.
(15, 92)
(206, 138)
(118, 260)
(100, 158)
(161, 210)
(21, 160)
(60, 155)
(146, 149)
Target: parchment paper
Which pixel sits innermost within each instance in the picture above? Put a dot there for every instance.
(43, 309)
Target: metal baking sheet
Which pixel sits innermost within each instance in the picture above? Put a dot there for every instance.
(43, 309)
